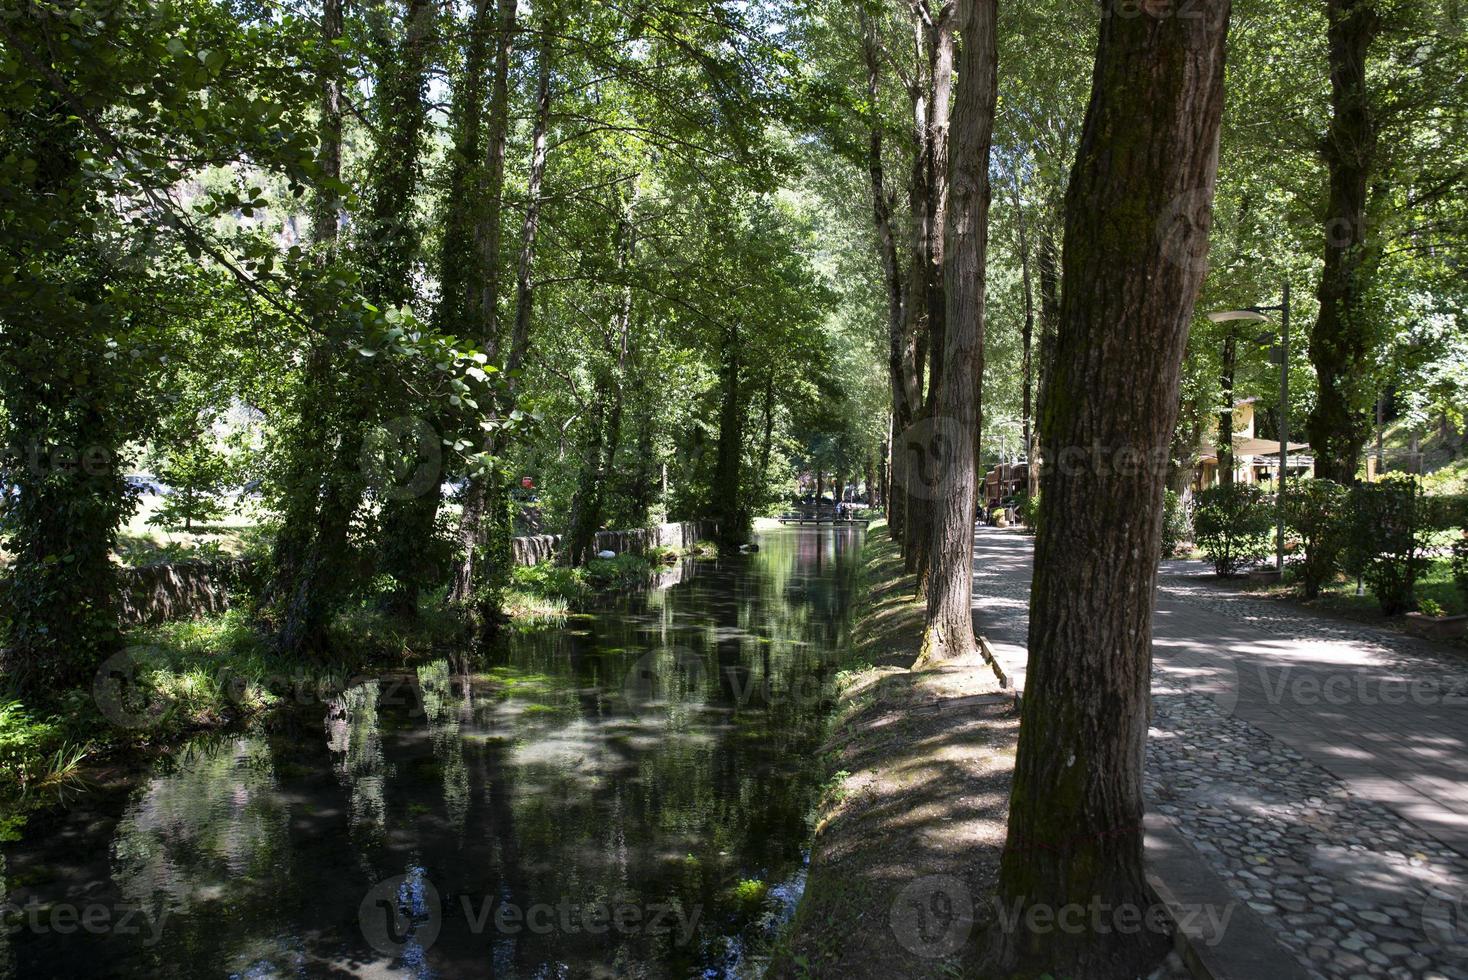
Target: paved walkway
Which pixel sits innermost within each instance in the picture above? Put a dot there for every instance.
(1319, 767)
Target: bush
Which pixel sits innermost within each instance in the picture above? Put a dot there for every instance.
(1460, 564)
(624, 570)
(1446, 512)
(551, 581)
(24, 744)
(1028, 509)
(1318, 512)
(1232, 525)
(1388, 536)
(1176, 528)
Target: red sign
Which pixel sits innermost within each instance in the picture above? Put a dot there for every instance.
(527, 482)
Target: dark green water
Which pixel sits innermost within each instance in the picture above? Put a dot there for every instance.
(628, 797)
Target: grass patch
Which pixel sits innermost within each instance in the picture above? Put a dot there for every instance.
(545, 595)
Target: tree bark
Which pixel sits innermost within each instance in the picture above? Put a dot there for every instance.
(1341, 342)
(896, 290)
(389, 253)
(726, 507)
(1027, 334)
(609, 392)
(302, 587)
(949, 631)
(938, 35)
(1149, 144)
(1226, 413)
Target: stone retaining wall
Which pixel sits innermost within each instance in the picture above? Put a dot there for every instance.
(537, 548)
(186, 589)
(177, 590)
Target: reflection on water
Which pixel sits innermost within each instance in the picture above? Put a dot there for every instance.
(627, 797)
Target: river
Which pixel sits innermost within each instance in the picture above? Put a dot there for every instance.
(628, 796)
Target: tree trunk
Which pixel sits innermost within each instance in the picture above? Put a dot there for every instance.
(767, 442)
(896, 290)
(392, 245)
(1341, 342)
(726, 508)
(949, 631)
(1047, 261)
(304, 586)
(482, 304)
(1226, 462)
(597, 468)
(1149, 143)
(939, 34)
(1027, 334)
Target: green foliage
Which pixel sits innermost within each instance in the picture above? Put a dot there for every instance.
(1318, 513)
(624, 571)
(1460, 565)
(1176, 527)
(137, 555)
(1429, 607)
(1028, 509)
(25, 744)
(1388, 538)
(550, 580)
(196, 474)
(1232, 525)
(1444, 512)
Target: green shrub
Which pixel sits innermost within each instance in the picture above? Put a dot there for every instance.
(551, 581)
(1430, 608)
(1445, 512)
(1232, 525)
(1176, 528)
(1028, 509)
(1388, 536)
(1460, 564)
(22, 741)
(624, 570)
(31, 751)
(1318, 512)
(662, 556)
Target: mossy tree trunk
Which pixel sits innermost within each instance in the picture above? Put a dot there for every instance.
(481, 300)
(306, 577)
(1144, 176)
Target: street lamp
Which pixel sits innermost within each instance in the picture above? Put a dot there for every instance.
(1255, 314)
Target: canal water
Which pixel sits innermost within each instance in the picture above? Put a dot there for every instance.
(625, 797)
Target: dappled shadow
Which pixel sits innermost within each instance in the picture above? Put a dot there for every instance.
(921, 824)
(1288, 748)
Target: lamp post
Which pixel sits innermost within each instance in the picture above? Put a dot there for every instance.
(1255, 314)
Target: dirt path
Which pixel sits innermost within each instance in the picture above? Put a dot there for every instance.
(911, 828)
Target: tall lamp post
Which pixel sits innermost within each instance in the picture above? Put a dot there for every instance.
(1255, 314)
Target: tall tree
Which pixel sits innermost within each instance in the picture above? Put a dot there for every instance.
(1342, 341)
(1139, 193)
(949, 631)
(484, 495)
